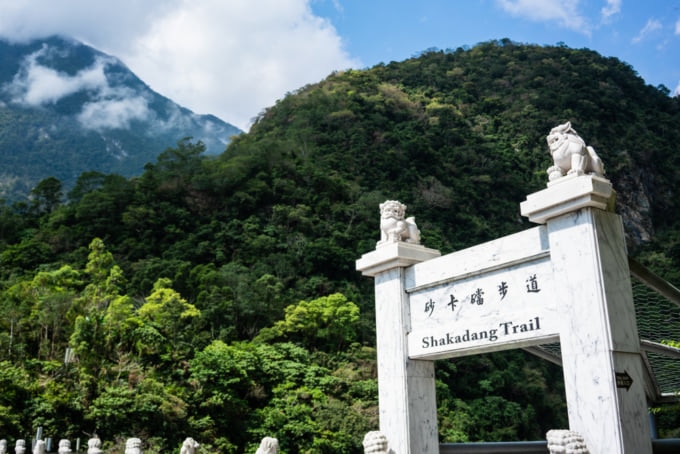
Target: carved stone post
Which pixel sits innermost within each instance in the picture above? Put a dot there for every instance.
(20, 446)
(566, 442)
(133, 446)
(94, 445)
(375, 443)
(64, 447)
(406, 388)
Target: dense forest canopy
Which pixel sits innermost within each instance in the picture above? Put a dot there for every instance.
(216, 297)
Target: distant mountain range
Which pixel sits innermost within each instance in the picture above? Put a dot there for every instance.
(67, 108)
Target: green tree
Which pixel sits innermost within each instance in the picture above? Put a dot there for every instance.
(165, 318)
(143, 406)
(222, 376)
(87, 182)
(50, 295)
(15, 309)
(327, 323)
(17, 387)
(277, 221)
(311, 408)
(47, 195)
(235, 301)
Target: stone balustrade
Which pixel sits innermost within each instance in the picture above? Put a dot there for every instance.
(133, 445)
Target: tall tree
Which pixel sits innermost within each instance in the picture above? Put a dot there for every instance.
(47, 195)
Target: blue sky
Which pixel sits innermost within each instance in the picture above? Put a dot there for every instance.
(235, 58)
(643, 33)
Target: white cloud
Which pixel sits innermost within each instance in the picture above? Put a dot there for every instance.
(564, 12)
(676, 92)
(86, 20)
(112, 107)
(113, 113)
(35, 84)
(237, 57)
(612, 8)
(231, 59)
(677, 27)
(650, 27)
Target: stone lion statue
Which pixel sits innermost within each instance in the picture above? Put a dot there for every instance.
(393, 226)
(375, 442)
(94, 446)
(133, 446)
(570, 154)
(64, 447)
(268, 445)
(189, 446)
(40, 447)
(566, 442)
(3, 446)
(20, 446)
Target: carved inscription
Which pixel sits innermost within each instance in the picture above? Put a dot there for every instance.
(478, 295)
(492, 335)
(483, 312)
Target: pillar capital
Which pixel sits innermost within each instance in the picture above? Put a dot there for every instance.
(569, 194)
(394, 255)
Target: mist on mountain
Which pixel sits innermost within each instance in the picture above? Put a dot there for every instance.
(67, 108)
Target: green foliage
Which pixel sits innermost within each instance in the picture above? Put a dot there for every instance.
(328, 323)
(17, 389)
(165, 316)
(498, 397)
(217, 296)
(149, 407)
(47, 195)
(311, 409)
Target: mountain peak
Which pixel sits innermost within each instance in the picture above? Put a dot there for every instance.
(57, 91)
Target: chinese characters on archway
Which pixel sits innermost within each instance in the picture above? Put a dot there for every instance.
(480, 296)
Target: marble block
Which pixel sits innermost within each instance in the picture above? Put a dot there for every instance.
(489, 297)
(393, 255)
(569, 194)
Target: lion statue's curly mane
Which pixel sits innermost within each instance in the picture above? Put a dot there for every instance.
(393, 226)
(570, 154)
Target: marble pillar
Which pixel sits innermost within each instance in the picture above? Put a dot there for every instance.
(602, 365)
(406, 387)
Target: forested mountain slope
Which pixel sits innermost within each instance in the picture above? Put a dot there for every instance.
(216, 297)
(450, 129)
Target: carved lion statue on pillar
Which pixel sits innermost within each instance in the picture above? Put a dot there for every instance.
(393, 226)
(268, 445)
(566, 442)
(40, 447)
(189, 446)
(375, 442)
(20, 446)
(64, 447)
(570, 154)
(94, 445)
(133, 446)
